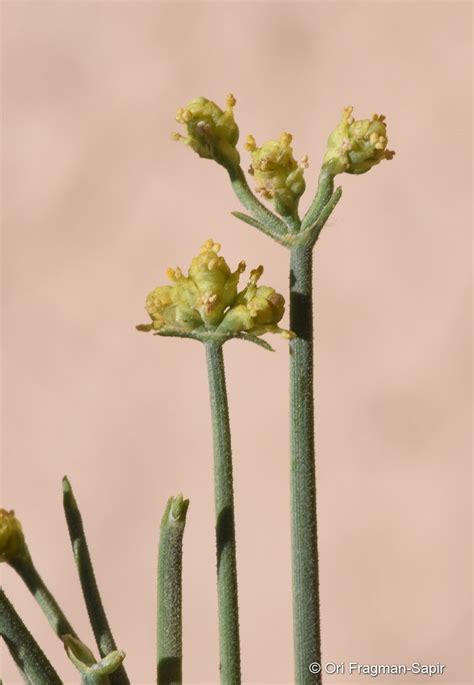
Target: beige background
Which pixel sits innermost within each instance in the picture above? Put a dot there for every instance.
(98, 201)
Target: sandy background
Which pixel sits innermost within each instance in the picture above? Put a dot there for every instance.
(98, 201)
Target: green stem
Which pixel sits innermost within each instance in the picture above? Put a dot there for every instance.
(225, 525)
(306, 615)
(24, 649)
(170, 622)
(98, 619)
(250, 202)
(57, 620)
(322, 197)
(324, 214)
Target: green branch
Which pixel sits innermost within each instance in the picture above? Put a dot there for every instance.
(23, 648)
(225, 527)
(98, 619)
(26, 569)
(321, 198)
(274, 225)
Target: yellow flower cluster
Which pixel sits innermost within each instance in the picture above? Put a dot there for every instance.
(212, 132)
(207, 300)
(356, 146)
(278, 175)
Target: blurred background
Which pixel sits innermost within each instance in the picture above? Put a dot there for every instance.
(98, 201)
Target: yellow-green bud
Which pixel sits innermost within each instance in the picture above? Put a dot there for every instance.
(278, 175)
(216, 284)
(212, 132)
(157, 302)
(257, 310)
(356, 146)
(12, 540)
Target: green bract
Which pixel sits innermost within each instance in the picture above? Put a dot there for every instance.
(12, 540)
(356, 146)
(277, 173)
(207, 300)
(212, 132)
(92, 672)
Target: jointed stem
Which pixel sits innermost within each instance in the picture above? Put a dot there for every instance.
(225, 526)
(306, 616)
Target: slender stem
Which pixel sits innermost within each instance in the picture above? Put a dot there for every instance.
(98, 619)
(250, 202)
(294, 222)
(324, 214)
(170, 621)
(26, 569)
(322, 197)
(306, 615)
(225, 526)
(24, 649)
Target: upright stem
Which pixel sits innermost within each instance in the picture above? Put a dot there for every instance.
(225, 526)
(170, 623)
(26, 653)
(306, 615)
(57, 620)
(95, 609)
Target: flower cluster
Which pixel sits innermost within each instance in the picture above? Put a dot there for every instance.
(212, 132)
(207, 300)
(278, 175)
(356, 146)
